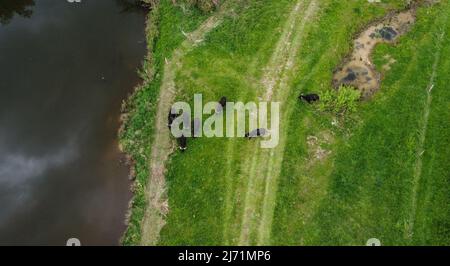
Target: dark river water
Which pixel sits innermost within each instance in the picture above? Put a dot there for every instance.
(64, 70)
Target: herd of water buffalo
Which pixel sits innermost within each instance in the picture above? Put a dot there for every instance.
(260, 132)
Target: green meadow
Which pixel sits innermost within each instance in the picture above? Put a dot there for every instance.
(380, 171)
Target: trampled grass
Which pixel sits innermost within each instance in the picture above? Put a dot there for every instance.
(228, 191)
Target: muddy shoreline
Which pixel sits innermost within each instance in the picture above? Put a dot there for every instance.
(146, 72)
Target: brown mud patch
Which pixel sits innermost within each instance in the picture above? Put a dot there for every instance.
(358, 70)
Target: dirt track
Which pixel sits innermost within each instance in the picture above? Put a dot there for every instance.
(263, 168)
(162, 146)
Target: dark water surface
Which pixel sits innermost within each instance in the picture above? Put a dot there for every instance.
(64, 70)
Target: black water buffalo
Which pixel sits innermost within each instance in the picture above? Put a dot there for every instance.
(223, 101)
(182, 141)
(222, 104)
(172, 115)
(310, 98)
(260, 132)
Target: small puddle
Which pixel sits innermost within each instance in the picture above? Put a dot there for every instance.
(358, 70)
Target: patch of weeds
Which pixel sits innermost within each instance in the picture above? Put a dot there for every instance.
(341, 101)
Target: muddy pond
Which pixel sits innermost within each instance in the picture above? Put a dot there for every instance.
(64, 70)
(358, 70)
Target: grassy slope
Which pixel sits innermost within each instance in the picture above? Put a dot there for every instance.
(163, 36)
(304, 181)
(432, 225)
(363, 190)
(371, 184)
(200, 178)
(206, 185)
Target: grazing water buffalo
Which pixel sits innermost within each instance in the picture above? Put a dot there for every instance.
(172, 115)
(260, 132)
(223, 101)
(222, 104)
(310, 98)
(182, 141)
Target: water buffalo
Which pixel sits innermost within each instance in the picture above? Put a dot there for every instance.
(222, 104)
(182, 141)
(310, 98)
(172, 115)
(223, 101)
(260, 132)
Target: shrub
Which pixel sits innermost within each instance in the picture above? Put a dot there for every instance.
(203, 5)
(340, 101)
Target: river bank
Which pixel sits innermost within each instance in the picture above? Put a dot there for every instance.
(135, 155)
(136, 134)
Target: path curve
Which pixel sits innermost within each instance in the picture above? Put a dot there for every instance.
(162, 147)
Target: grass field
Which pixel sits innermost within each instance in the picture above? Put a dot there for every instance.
(381, 171)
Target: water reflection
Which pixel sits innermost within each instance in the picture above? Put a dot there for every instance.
(132, 5)
(64, 74)
(8, 8)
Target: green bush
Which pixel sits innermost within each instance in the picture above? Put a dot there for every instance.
(340, 101)
(205, 6)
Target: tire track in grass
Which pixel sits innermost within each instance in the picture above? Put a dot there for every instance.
(422, 136)
(238, 183)
(162, 147)
(228, 208)
(276, 155)
(262, 179)
(269, 81)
